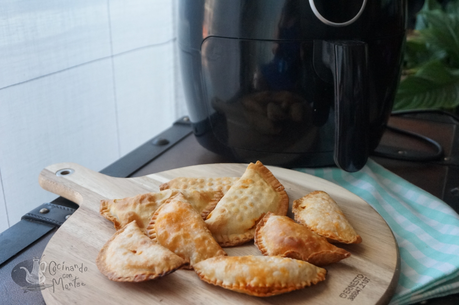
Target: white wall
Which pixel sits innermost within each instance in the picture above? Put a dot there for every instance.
(81, 81)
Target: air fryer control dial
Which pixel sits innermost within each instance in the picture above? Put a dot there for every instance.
(337, 13)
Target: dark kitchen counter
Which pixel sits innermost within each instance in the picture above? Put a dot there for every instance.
(176, 147)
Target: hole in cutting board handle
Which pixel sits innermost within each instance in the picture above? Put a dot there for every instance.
(65, 172)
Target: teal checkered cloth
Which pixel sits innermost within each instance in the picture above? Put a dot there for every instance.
(426, 229)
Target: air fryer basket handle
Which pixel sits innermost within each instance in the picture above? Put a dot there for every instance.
(349, 68)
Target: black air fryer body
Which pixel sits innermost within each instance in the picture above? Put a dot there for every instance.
(291, 82)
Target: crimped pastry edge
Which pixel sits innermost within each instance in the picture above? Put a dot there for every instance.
(233, 240)
(170, 183)
(150, 229)
(269, 177)
(211, 206)
(104, 210)
(106, 213)
(258, 237)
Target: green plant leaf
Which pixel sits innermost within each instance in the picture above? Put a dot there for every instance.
(434, 86)
(442, 33)
(452, 7)
(429, 5)
(417, 53)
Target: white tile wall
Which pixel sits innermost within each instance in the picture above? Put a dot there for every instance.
(80, 81)
(67, 116)
(42, 37)
(139, 23)
(146, 109)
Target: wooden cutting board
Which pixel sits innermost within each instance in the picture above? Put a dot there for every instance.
(369, 276)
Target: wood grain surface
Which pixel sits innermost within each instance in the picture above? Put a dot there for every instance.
(369, 276)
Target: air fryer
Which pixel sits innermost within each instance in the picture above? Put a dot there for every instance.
(291, 83)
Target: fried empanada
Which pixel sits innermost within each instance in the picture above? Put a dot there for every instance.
(281, 236)
(141, 207)
(257, 192)
(320, 213)
(260, 276)
(177, 226)
(131, 256)
(222, 184)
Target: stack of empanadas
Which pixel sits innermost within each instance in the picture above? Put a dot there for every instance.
(186, 224)
(178, 226)
(141, 207)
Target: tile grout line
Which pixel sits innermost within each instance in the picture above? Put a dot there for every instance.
(4, 199)
(115, 99)
(91, 62)
(175, 59)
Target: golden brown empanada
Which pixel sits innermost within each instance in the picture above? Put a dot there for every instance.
(260, 276)
(141, 207)
(177, 226)
(222, 184)
(257, 192)
(320, 213)
(131, 256)
(280, 236)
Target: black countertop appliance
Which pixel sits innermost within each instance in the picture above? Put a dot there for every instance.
(291, 82)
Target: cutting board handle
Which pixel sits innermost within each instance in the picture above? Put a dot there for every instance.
(61, 179)
(87, 187)
(75, 182)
